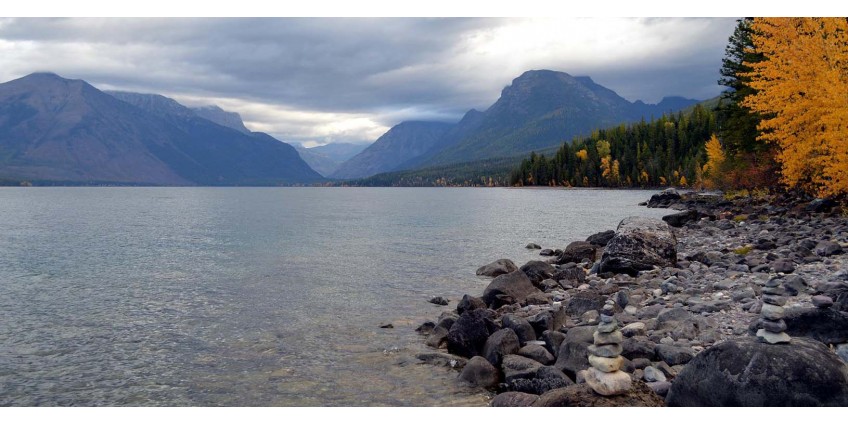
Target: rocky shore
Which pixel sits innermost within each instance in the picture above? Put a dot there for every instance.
(712, 306)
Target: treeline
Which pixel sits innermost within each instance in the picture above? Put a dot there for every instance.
(665, 151)
(482, 173)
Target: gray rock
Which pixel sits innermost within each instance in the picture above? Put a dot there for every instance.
(498, 267)
(514, 399)
(537, 353)
(828, 248)
(553, 340)
(606, 351)
(825, 325)
(794, 284)
(583, 302)
(440, 359)
(634, 329)
(501, 343)
(783, 265)
(469, 334)
(822, 302)
(744, 372)
(537, 271)
(437, 337)
(674, 355)
(638, 347)
(652, 374)
(671, 317)
(573, 355)
(517, 366)
(508, 288)
(601, 239)
(842, 352)
(521, 326)
(478, 372)
(578, 251)
(545, 379)
(438, 300)
(469, 303)
(533, 246)
(639, 244)
(660, 387)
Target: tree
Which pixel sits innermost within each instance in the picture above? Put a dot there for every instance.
(738, 125)
(801, 94)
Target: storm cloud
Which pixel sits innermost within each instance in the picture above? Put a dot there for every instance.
(321, 80)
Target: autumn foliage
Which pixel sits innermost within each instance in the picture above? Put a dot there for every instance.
(802, 97)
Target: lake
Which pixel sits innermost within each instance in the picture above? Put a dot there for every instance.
(257, 296)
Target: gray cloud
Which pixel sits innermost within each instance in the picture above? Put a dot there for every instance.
(348, 79)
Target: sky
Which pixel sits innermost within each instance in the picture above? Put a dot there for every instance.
(328, 80)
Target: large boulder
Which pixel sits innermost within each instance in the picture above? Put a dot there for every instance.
(601, 239)
(639, 244)
(498, 267)
(501, 343)
(745, 372)
(538, 271)
(544, 379)
(682, 218)
(664, 198)
(469, 303)
(573, 355)
(508, 288)
(577, 251)
(825, 325)
(478, 372)
(469, 333)
(523, 329)
(583, 302)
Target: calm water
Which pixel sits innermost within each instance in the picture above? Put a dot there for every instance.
(255, 296)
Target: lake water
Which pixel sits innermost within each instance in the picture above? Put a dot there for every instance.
(256, 296)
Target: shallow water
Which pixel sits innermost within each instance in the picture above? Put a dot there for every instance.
(256, 296)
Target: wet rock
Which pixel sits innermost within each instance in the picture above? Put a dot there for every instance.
(546, 252)
(427, 327)
(578, 251)
(438, 300)
(508, 288)
(537, 271)
(601, 239)
(501, 343)
(664, 199)
(537, 353)
(514, 399)
(441, 359)
(438, 337)
(498, 267)
(745, 372)
(639, 244)
(469, 334)
(478, 372)
(521, 327)
(469, 303)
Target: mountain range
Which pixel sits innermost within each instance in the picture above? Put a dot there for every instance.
(328, 158)
(63, 131)
(540, 109)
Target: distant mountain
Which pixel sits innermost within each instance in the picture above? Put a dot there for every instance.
(401, 143)
(221, 117)
(68, 132)
(328, 158)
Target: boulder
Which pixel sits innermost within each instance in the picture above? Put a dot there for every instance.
(513, 399)
(682, 218)
(469, 333)
(674, 355)
(498, 267)
(828, 248)
(545, 378)
(583, 302)
(537, 353)
(478, 372)
(573, 355)
(578, 251)
(574, 276)
(438, 300)
(519, 367)
(508, 288)
(537, 271)
(520, 326)
(664, 199)
(553, 340)
(501, 343)
(601, 239)
(639, 244)
(745, 372)
(578, 395)
(825, 325)
(469, 303)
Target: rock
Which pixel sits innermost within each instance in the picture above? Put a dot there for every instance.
(682, 218)
(639, 244)
(541, 322)
(744, 372)
(545, 379)
(669, 318)
(533, 246)
(501, 343)
(603, 364)
(578, 251)
(519, 367)
(641, 363)
(438, 300)
(553, 340)
(469, 303)
(469, 334)
(828, 248)
(772, 312)
(498, 267)
(514, 399)
(825, 325)
(607, 351)
(537, 271)
(608, 383)
(601, 239)
(773, 338)
(652, 374)
(574, 276)
(660, 387)
(614, 337)
(794, 284)
(508, 288)
(478, 372)
(546, 252)
(674, 355)
(537, 353)
(427, 327)
(634, 329)
(447, 319)
(583, 302)
(842, 352)
(573, 353)
(389, 325)
(664, 199)
(437, 337)
(440, 359)
(589, 317)
(638, 347)
(581, 395)
(822, 302)
(783, 265)
(521, 326)
(725, 225)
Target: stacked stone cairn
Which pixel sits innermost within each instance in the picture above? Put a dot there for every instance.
(772, 327)
(605, 376)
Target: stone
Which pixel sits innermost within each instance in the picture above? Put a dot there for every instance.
(601, 239)
(517, 366)
(607, 327)
(608, 383)
(533, 246)
(573, 354)
(496, 268)
(825, 325)
(652, 374)
(634, 329)
(671, 317)
(783, 265)
(437, 337)
(744, 372)
(664, 199)
(469, 303)
(842, 352)
(514, 399)
(438, 300)
(537, 353)
(508, 288)
(582, 302)
(639, 244)
(553, 340)
(545, 379)
(546, 252)
(640, 363)
(581, 395)
(638, 347)
(828, 248)
(794, 284)
(501, 343)
(773, 338)
(441, 359)
(608, 338)
(478, 372)
(543, 321)
(426, 328)
(523, 329)
(607, 351)
(682, 218)
(778, 326)
(660, 387)
(574, 276)
(772, 312)
(774, 300)
(774, 291)
(469, 334)
(822, 302)
(577, 252)
(538, 271)
(674, 355)
(606, 364)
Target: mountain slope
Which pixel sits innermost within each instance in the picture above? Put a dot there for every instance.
(401, 143)
(68, 132)
(221, 117)
(328, 158)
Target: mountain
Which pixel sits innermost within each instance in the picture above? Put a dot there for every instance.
(65, 131)
(401, 143)
(221, 117)
(327, 159)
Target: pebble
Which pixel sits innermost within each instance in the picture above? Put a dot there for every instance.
(774, 300)
(606, 364)
(608, 338)
(772, 312)
(652, 374)
(778, 326)
(607, 351)
(634, 329)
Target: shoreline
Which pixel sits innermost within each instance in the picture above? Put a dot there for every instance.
(727, 252)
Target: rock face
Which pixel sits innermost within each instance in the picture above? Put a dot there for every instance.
(508, 288)
(639, 244)
(745, 372)
(498, 267)
(469, 333)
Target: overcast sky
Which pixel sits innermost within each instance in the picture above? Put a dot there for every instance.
(326, 80)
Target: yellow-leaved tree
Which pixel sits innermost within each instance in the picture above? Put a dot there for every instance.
(715, 162)
(803, 98)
